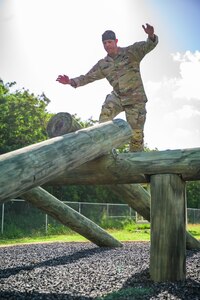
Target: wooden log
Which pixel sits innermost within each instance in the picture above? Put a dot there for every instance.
(61, 124)
(134, 167)
(69, 217)
(135, 196)
(168, 225)
(108, 167)
(34, 165)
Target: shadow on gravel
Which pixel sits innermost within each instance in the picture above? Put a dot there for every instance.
(137, 286)
(61, 260)
(39, 296)
(144, 288)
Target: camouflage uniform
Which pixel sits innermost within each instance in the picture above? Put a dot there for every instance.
(123, 73)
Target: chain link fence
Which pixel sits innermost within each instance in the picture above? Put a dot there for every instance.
(35, 220)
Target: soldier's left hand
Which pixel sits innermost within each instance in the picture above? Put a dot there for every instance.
(149, 30)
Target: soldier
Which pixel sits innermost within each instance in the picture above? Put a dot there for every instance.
(121, 67)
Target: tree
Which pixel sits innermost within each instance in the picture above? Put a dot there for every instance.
(23, 118)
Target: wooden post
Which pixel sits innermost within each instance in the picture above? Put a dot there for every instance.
(69, 217)
(34, 165)
(168, 241)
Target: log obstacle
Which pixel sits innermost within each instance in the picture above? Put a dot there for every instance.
(136, 168)
(69, 217)
(40, 163)
(34, 165)
(167, 255)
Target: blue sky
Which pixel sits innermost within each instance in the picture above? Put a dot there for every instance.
(41, 39)
(181, 19)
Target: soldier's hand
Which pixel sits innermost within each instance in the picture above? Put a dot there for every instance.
(64, 79)
(149, 30)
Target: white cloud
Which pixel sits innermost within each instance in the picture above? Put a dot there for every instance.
(173, 119)
(190, 73)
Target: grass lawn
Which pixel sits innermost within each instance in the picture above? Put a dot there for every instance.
(121, 235)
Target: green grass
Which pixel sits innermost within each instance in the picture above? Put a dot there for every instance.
(134, 233)
(128, 293)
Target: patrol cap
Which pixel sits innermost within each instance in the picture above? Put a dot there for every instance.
(108, 35)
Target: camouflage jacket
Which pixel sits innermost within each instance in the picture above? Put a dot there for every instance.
(122, 72)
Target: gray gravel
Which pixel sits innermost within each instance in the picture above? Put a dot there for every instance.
(85, 271)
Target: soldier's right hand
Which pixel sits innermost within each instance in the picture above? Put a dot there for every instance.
(64, 79)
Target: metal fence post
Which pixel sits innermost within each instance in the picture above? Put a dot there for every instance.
(46, 223)
(2, 218)
(107, 209)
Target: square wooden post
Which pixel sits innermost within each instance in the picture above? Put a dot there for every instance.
(168, 227)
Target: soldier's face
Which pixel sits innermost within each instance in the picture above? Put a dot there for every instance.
(111, 47)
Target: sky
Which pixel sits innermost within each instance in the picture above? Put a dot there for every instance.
(41, 39)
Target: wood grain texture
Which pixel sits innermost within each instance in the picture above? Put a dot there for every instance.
(61, 124)
(134, 167)
(168, 225)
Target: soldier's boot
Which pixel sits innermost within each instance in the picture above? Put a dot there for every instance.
(105, 116)
(136, 143)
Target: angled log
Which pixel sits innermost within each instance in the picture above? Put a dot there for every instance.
(69, 217)
(34, 165)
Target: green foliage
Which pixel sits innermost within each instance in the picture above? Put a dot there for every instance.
(54, 229)
(85, 124)
(22, 219)
(84, 193)
(12, 231)
(193, 194)
(23, 118)
(116, 223)
(128, 293)
(132, 226)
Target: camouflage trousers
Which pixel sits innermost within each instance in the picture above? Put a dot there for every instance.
(135, 116)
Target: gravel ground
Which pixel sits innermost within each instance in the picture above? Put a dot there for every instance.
(85, 271)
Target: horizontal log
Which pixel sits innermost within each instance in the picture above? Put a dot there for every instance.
(69, 217)
(134, 167)
(34, 165)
